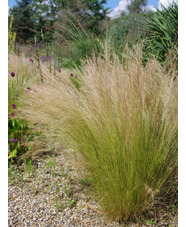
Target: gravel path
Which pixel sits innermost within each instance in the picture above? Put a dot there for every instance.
(52, 192)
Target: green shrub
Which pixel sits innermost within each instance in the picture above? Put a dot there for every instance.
(123, 122)
(127, 30)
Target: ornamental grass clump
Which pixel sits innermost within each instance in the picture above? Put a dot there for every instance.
(123, 123)
(22, 73)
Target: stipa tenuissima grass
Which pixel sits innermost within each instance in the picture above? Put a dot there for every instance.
(123, 122)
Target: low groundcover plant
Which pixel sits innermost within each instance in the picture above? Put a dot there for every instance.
(123, 122)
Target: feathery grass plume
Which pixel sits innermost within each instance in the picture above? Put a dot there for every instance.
(23, 74)
(123, 122)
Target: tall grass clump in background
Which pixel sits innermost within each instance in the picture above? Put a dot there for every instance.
(25, 76)
(75, 41)
(123, 122)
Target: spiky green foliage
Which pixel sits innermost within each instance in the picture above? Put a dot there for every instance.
(162, 32)
(123, 122)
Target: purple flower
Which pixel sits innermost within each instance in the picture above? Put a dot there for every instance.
(12, 74)
(43, 58)
(12, 114)
(76, 77)
(14, 106)
(19, 111)
(47, 129)
(28, 88)
(31, 60)
(13, 140)
(59, 70)
(71, 74)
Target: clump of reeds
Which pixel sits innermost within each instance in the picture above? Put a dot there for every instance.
(123, 122)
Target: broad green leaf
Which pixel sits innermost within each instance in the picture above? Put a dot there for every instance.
(13, 154)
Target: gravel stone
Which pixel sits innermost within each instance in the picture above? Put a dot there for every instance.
(43, 199)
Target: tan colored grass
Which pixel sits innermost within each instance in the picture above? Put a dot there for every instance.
(27, 74)
(123, 121)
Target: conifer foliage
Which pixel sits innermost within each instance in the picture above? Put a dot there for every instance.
(23, 20)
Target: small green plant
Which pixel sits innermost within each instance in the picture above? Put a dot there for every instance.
(149, 222)
(173, 209)
(17, 132)
(71, 203)
(29, 167)
(68, 192)
(58, 206)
